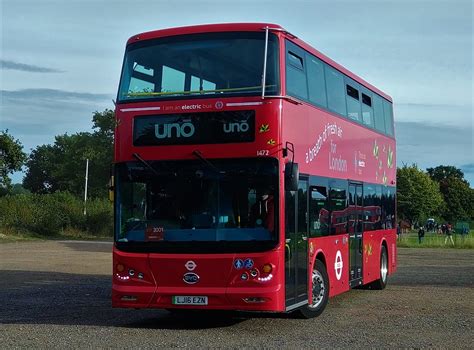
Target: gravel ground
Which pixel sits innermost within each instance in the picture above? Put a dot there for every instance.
(57, 295)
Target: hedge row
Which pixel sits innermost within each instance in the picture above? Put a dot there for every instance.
(50, 214)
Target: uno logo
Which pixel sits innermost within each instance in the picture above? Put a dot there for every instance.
(236, 127)
(164, 131)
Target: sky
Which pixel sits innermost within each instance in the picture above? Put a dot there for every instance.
(60, 61)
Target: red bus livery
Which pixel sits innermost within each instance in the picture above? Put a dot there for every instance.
(251, 173)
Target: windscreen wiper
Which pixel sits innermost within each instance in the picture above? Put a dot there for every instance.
(199, 155)
(145, 163)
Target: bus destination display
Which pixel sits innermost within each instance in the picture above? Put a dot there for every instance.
(194, 128)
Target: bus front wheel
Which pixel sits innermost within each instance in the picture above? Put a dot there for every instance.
(319, 291)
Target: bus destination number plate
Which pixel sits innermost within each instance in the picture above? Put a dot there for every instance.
(189, 300)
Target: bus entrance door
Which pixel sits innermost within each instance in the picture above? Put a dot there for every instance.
(356, 224)
(296, 246)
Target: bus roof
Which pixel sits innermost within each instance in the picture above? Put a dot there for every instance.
(231, 27)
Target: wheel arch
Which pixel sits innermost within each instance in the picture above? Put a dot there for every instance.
(318, 255)
(384, 244)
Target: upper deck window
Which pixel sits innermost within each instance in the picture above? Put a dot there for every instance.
(378, 113)
(335, 91)
(316, 81)
(209, 64)
(353, 100)
(295, 72)
(367, 111)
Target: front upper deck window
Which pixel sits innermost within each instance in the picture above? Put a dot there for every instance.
(206, 65)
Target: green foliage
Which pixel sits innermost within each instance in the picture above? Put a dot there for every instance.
(18, 189)
(12, 158)
(104, 124)
(51, 214)
(61, 166)
(459, 199)
(418, 196)
(442, 172)
(457, 194)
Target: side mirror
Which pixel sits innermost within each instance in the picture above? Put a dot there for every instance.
(292, 175)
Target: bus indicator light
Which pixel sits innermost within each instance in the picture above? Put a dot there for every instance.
(267, 268)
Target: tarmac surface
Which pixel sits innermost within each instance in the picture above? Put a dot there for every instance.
(56, 294)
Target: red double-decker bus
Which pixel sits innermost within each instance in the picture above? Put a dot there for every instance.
(252, 172)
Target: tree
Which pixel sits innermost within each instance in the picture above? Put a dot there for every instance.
(104, 124)
(418, 196)
(40, 168)
(61, 166)
(457, 194)
(12, 158)
(17, 189)
(442, 172)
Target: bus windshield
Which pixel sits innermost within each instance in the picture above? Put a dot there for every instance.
(197, 201)
(199, 65)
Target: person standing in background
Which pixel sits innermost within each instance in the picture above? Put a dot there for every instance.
(421, 234)
(449, 235)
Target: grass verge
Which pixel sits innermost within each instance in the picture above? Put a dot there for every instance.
(434, 240)
(9, 234)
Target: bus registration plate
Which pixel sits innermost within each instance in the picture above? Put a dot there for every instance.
(189, 300)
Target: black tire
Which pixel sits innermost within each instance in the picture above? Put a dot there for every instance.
(381, 283)
(319, 290)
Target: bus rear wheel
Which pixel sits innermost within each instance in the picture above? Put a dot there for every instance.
(319, 292)
(381, 283)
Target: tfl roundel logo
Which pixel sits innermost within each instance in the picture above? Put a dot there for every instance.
(190, 265)
(190, 278)
(219, 105)
(338, 265)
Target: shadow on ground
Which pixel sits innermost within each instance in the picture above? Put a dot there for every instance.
(30, 297)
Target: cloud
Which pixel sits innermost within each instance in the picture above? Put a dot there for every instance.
(434, 113)
(52, 95)
(36, 116)
(429, 145)
(468, 168)
(4, 64)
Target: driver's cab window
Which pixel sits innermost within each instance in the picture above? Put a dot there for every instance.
(133, 209)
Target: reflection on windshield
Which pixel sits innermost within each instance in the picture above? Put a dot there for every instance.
(192, 201)
(199, 64)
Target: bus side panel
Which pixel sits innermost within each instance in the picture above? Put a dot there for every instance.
(336, 255)
(373, 241)
(391, 238)
(331, 146)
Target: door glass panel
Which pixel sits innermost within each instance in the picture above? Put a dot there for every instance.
(290, 256)
(302, 236)
(356, 227)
